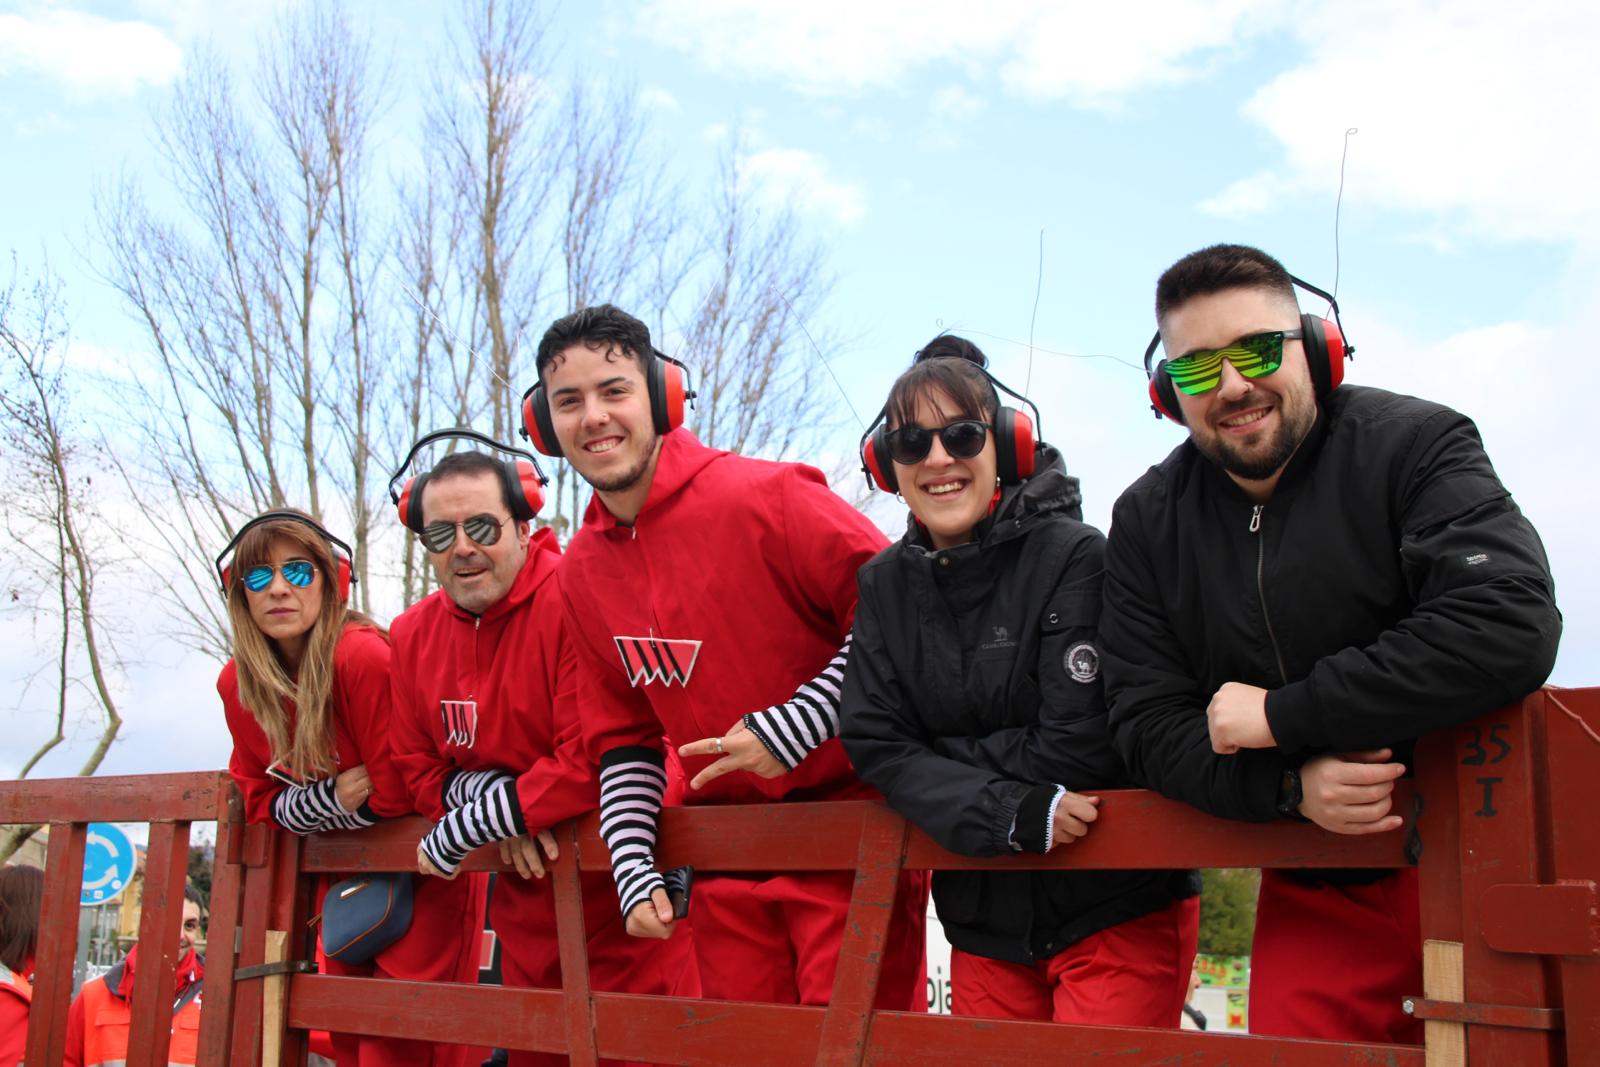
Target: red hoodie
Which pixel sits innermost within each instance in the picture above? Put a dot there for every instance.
(361, 723)
(496, 691)
(735, 584)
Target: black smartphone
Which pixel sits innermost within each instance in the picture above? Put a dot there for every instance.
(680, 883)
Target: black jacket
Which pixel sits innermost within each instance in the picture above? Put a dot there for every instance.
(973, 690)
(1390, 587)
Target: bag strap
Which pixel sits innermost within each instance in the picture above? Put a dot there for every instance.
(264, 970)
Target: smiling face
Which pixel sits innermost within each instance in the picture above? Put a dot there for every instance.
(600, 406)
(1249, 427)
(189, 933)
(949, 496)
(475, 576)
(285, 613)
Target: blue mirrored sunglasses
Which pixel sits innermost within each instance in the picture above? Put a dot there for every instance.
(299, 573)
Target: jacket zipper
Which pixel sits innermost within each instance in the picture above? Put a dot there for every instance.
(1261, 587)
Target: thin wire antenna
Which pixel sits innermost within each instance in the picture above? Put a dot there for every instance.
(820, 357)
(1338, 203)
(448, 332)
(1051, 351)
(1038, 285)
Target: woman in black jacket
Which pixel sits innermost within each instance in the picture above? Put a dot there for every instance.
(973, 702)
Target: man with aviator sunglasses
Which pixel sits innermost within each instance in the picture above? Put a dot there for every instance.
(1316, 577)
(486, 730)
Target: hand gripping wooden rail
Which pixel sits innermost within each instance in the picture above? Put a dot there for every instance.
(1500, 819)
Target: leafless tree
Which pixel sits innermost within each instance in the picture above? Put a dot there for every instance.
(746, 334)
(256, 305)
(49, 511)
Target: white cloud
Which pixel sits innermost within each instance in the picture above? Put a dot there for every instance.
(1477, 111)
(93, 56)
(1043, 48)
(1246, 197)
(783, 177)
(654, 98)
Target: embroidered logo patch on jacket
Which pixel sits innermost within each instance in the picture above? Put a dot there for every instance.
(460, 722)
(657, 659)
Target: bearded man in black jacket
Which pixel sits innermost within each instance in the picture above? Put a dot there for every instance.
(1318, 576)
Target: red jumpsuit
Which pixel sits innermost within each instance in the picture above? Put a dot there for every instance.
(444, 942)
(510, 676)
(742, 574)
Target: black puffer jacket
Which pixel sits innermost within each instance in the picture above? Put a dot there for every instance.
(973, 690)
(1389, 587)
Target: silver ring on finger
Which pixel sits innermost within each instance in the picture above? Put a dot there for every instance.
(719, 746)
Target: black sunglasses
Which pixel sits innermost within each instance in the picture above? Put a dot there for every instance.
(482, 529)
(961, 439)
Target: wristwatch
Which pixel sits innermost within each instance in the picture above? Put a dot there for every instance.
(1290, 794)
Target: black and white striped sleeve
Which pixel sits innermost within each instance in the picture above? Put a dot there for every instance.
(464, 787)
(313, 807)
(792, 730)
(633, 783)
(493, 815)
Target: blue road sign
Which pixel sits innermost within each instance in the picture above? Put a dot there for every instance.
(107, 863)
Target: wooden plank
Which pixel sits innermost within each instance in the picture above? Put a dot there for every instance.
(900, 1038)
(274, 997)
(823, 836)
(227, 883)
(58, 941)
(166, 868)
(456, 1013)
(1573, 728)
(880, 852)
(188, 797)
(1443, 979)
(573, 945)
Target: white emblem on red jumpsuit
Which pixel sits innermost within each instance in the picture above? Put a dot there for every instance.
(657, 659)
(460, 722)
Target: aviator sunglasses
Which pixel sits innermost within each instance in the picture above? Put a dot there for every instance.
(299, 573)
(962, 439)
(481, 529)
(1253, 357)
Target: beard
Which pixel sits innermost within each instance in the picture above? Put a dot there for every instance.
(624, 480)
(1258, 460)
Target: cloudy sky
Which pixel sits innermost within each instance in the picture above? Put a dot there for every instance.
(931, 143)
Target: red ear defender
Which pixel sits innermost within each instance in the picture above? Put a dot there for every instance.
(343, 578)
(537, 427)
(403, 505)
(529, 487)
(674, 391)
(875, 461)
(1022, 444)
(1333, 340)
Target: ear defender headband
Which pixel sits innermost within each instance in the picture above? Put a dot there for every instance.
(520, 478)
(666, 383)
(1326, 351)
(1015, 440)
(344, 577)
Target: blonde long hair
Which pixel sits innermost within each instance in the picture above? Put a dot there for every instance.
(265, 686)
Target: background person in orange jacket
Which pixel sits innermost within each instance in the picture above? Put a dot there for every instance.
(306, 697)
(21, 889)
(100, 1016)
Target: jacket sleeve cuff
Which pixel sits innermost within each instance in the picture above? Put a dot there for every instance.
(1292, 717)
(1034, 820)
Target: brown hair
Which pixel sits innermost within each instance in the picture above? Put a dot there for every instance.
(21, 890)
(1219, 267)
(953, 365)
(265, 685)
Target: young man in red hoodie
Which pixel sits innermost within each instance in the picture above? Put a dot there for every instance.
(100, 1016)
(485, 723)
(710, 597)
